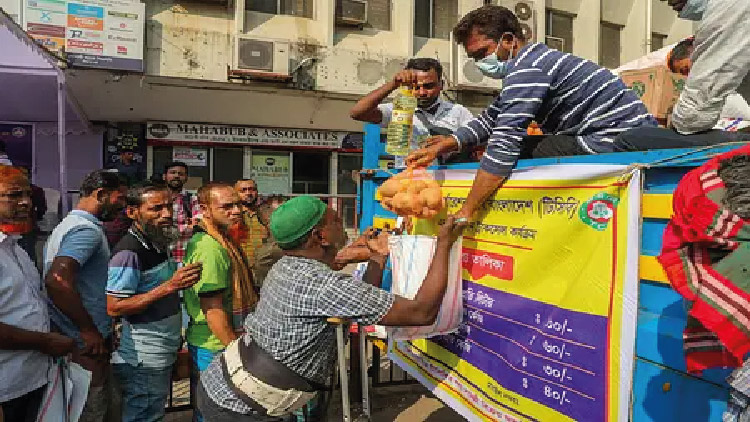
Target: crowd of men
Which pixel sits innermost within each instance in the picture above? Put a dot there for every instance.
(113, 302)
(258, 281)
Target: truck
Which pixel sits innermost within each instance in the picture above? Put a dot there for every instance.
(662, 390)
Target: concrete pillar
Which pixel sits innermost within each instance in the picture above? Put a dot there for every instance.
(586, 30)
(402, 25)
(325, 19)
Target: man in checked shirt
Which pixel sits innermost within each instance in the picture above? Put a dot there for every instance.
(580, 106)
(186, 209)
(288, 346)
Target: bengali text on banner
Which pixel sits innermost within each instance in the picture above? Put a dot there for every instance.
(550, 286)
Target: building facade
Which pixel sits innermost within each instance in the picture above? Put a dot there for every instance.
(294, 68)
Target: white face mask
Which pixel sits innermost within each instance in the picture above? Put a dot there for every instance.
(693, 10)
(492, 67)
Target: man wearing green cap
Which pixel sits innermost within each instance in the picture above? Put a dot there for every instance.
(288, 350)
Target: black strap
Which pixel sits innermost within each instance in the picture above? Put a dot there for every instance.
(186, 204)
(433, 129)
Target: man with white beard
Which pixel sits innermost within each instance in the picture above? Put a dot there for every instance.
(142, 287)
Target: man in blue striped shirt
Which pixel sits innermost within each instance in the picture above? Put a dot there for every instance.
(580, 106)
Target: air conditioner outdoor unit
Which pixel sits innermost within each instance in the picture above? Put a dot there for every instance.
(351, 12)
(261, 58)
(464, 74)
(525, 11)
(556, 43)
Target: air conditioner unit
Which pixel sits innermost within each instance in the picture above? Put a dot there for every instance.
(556, 43)
(260, 58)
(351, 12)
(464, 74)
(525, 11)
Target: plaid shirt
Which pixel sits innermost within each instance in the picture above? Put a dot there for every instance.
(256, 235)
(183, 224)
(289, 322)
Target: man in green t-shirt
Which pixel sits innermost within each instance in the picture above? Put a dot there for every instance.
(219, 301)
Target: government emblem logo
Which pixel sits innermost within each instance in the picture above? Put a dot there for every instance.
(599, 210)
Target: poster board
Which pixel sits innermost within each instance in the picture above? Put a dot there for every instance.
(19, 142)
(126, 139)
(104, 34)
(272, 173)
(550, 298)
(193, 157)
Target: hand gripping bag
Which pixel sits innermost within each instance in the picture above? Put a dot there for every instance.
(410, 258)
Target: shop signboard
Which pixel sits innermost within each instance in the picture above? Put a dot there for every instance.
(19, 140)
(193, 157)
(125, 150)
(166, 132)
(104, 34)
(271, 172)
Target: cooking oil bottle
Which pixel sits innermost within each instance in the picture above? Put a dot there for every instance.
(402, 120)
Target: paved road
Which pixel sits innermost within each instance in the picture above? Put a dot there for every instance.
(406, 403)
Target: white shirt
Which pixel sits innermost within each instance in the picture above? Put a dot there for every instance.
(4, 160)
(442, 114)
(23, 305)
(720, 65)
(734, 107)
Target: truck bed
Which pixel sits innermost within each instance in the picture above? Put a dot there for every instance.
(662, 390)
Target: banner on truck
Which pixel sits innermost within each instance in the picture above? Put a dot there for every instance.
(550, 281)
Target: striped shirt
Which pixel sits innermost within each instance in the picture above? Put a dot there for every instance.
(566, 95)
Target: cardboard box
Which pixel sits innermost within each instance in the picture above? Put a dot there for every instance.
(657, 87)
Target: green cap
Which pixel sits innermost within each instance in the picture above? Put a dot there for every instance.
(294, 218)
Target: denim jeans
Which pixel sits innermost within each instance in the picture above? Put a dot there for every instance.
(144, 391)
(200, 358)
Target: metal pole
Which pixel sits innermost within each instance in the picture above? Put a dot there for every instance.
(355, 392)
(61, 147)
(363, 371)
(342, 373)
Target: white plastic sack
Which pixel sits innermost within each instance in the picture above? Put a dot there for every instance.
(410, 259)
(66, 393)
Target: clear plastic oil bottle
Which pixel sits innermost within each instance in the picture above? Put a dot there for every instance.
(400, 128)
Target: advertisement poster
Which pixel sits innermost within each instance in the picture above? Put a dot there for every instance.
(105, 34)
(125, 150)
(272, 173)
(19, 143)
(165, 132)
(193, 157)
(550, 291)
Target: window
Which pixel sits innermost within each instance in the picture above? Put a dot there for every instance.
(435, 18)
(657, 41)
(228, 164)
(303, 8)
(199, 173)
(609, 45)
(310, 172)
(349, 166)
(560, 27)
(379, 14)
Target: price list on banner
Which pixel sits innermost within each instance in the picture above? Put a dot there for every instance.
(549, 290)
